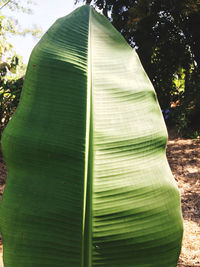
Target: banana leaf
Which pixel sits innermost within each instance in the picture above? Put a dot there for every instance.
(88, 179)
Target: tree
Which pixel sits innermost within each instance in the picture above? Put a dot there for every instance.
(11, 67)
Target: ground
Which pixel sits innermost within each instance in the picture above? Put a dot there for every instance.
(184, 159)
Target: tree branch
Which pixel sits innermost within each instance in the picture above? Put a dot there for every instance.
(5, 4)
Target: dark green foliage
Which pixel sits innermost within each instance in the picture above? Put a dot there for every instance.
(10, 90)
(186, 115)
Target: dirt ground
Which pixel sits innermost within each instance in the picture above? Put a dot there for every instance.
(184, 159)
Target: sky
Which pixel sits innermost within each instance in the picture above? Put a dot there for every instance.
(45, 13)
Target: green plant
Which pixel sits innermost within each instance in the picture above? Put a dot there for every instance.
(184, 113)
(10, 89)
(9, 99)
(88, 179)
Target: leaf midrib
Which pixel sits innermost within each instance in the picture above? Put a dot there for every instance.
(87, 204)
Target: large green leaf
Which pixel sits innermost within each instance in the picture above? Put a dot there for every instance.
(88, 180)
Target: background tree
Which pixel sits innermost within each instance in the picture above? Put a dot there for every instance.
(12, 68)
(166, 37)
